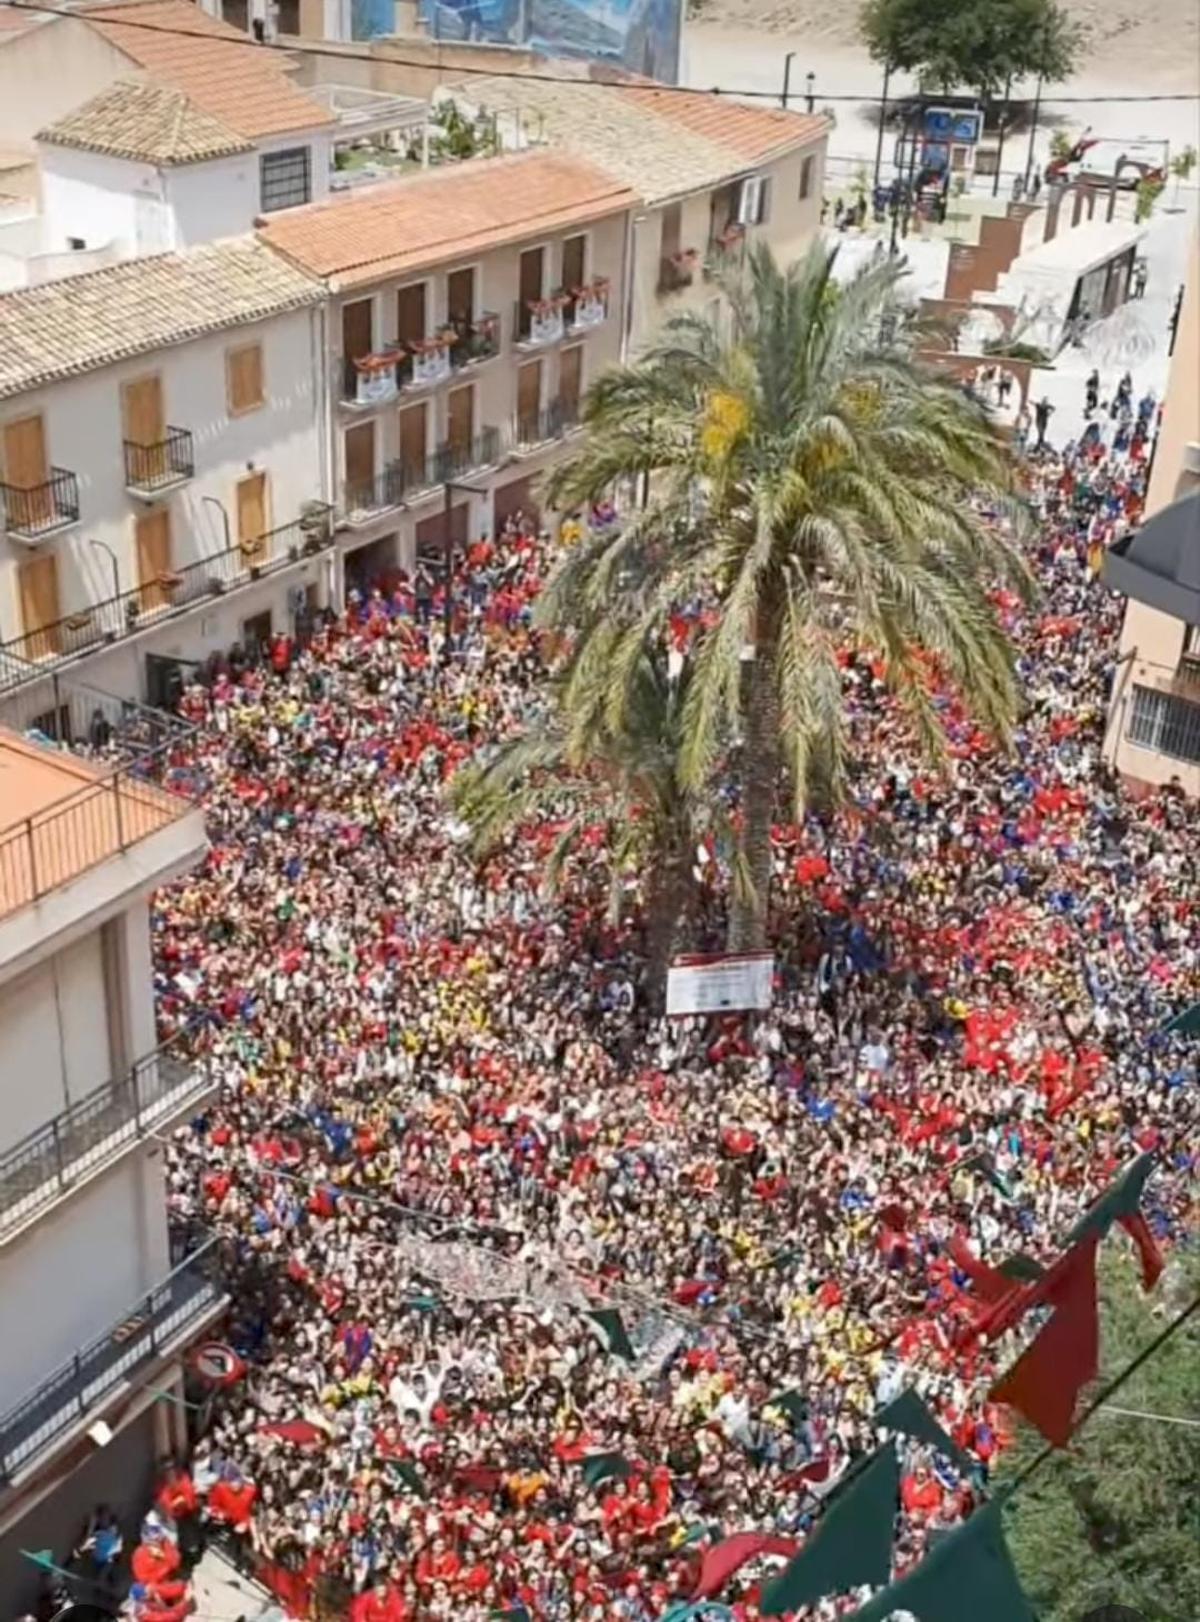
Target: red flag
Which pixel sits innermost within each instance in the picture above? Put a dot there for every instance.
(1138, 1229)
(1045, 1382)
(720, 1562)
(301, 1431)
(989, 1282)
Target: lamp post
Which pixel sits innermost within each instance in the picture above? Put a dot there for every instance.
(113, 564)
(787, 78)
(1003, 128)
(887, 75)
(449, 486)
(810, 82)
(212, 501)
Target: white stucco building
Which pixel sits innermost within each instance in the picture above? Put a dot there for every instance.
(99, 1306)
(163, 448)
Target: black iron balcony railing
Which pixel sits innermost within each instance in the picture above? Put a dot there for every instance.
(158, 1322)
(95, 1130)
(551, 422)
(405, 478)
(40, 509)
(131, 611)
(160, 466)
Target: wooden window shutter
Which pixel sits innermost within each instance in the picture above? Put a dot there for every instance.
(244, 378)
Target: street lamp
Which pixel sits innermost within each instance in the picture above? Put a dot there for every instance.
(810, 81)
(112, 558)
(212, 501)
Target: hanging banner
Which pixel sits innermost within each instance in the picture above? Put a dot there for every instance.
(722, 983)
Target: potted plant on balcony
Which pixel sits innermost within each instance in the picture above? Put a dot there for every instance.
(132, 609)
(169, 581)
(731, 235)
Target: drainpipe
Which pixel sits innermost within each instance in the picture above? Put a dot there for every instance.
(632, 221)
(323, 417)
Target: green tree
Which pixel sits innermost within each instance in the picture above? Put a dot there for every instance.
(1115, 1518)
(579, 765)
(816, 487)
(982, 44)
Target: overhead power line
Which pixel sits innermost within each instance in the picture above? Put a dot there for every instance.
(459, 70)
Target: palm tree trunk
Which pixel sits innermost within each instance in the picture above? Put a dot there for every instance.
(759, 787)
(667, 898)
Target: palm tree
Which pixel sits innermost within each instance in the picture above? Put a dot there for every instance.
(817, 487)
(572, 765)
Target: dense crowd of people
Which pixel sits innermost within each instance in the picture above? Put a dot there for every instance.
(453, 1124)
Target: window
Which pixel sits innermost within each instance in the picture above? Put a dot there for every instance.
(244, 378)
(672, 229)
(1164, 722)
(806, 174)
(284, 178)
(754, 200)
(76, 244)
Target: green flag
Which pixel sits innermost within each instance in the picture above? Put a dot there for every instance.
(909, 1415)
(598, 1467)
(1021, 1267)
(608, 1321)
(1187, 1023)
(409, 1475)
(852, 1543)
(968, 1573)
(792, 1403)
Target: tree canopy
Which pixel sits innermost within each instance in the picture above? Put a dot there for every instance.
(1113, 1519)
(981, 44)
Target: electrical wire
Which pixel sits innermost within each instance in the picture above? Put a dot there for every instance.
(350, 55)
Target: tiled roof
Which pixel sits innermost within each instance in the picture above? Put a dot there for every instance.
(446, 213)
(221, 69)
(662, 143)
(83, 322)
(150, 123)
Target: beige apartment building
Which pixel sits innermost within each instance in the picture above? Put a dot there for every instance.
(713, 176)
(469, 309)
(1154, 723)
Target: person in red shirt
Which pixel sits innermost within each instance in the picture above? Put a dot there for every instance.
(231, 1501)
(920, 1493)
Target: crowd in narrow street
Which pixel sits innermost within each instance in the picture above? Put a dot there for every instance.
(452, 1122)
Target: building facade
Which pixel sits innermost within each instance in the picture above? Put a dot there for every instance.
(470, 308)
(100, 1305)
(1154, 722)
(162, 464)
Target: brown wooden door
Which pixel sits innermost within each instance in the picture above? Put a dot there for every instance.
(531, 275)
(356, 329)
(410, 314)
(461, 418)
(359, 448)
(460, 296)
(252, 517)
(529, 399)
(145, 424)
(413, 443)
(26, 469)
(37, 582)
(570, 381)
(574, 252)
(153, 534)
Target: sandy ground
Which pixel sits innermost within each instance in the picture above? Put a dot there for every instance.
(1162, 36)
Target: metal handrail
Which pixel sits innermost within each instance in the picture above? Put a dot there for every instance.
(93, 1130)
(36, 509)
(75, 1389)
(129, 612)
(551, 422)
(401, 480)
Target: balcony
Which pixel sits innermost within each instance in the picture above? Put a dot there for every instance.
(677, 270)
(427, 362)
(404, 481)
(539, 322)
(588, 307)
(95, 1131)
(156, 1327)
(542, 427)
(371, 380)
(475, 341)
(152, 470)
(130, 612)
(32, 512)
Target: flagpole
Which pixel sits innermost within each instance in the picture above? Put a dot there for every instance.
(1102, 1397)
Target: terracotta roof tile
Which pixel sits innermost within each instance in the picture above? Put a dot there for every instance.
(150, 123)
(83, 322)
(663, 143)
(223, 71)
(446, 213)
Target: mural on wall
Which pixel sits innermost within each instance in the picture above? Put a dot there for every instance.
(640, 35)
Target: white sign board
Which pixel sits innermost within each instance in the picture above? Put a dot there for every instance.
(719, 985)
